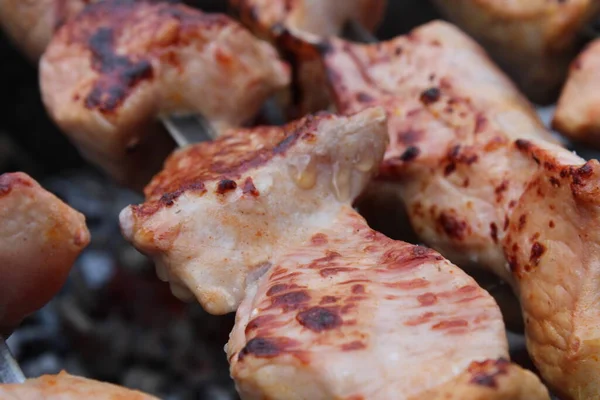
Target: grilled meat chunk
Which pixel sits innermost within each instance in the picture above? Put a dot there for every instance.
(31, 23)
(218, 211)
(483, 182)
(264, 217)
(348, 307)
(66, 387)
(314, 18)
(317, 17)
(110, 72)
(578, 109)
(40, 238)
(534, 40)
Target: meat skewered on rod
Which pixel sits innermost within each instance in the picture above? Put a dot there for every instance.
(31, 25)
(483, 182)
(264, 217)
(118, 66)
(534, 40)
(40, 237)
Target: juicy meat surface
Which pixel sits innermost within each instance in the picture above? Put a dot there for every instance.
(329, 308)
(578, 109)
(351, 314)
(40, 238)
(112, 71)
(534, 40)
(31, 23)
(483, 183)
(68, 387)
(216, 213)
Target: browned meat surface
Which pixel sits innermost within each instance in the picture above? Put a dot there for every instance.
(534, 40)
(110, 72)
(329, 309)
(483, 183)
(40, 238)
(191, 223)
(31, 23)
(315, 18)
(578, 110)
(351, 314)
(68, 387)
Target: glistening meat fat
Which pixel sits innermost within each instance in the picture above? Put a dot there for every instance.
(330, 309)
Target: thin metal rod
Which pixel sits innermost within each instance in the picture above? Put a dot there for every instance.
(10, 372)
(188, 129)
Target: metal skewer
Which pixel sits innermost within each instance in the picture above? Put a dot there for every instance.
(10, 372)
(188, 129)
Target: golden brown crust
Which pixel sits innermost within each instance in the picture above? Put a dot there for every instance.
(110, 73)
(219, 212)
(224, 159)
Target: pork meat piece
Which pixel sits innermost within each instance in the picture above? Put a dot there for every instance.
(534, 40)
(317, 17)
(485, 184)
(270, 19)
(191, 221)
(68, 387)
(112, 71)
(40, 238)
(346, 309)
(264, 218)
(578, 109)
